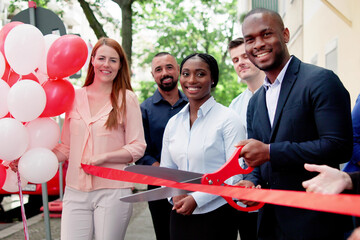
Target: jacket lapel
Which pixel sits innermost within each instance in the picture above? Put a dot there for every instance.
(286, 86)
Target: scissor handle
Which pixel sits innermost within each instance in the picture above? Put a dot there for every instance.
(244, 209)
(229, 169)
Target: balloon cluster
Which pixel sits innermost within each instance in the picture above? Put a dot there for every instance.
(34, 88)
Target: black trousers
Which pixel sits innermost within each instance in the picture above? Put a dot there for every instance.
(216, 225)
(160, 214)
(247, 225)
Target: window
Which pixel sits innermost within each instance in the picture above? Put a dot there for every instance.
(331, 56)
(268, 4)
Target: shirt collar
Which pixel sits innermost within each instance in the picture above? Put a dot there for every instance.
(157, 97)
(279, 78)
(205, 108)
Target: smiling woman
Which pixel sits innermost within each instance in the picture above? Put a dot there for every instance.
(200, 138)
(102, 128)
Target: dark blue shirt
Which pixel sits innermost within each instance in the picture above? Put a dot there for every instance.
(156, 112)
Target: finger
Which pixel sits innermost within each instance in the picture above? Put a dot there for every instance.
(176, 206)
(247, 162)
(242, 143)
(306, 184)
(314, 167)
(181, 210)
(313, 188)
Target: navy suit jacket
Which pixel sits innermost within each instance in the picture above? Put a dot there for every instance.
(312, 124)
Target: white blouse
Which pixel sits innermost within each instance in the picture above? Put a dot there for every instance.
(204, 147)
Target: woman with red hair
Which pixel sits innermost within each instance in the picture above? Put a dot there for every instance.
(103, 128)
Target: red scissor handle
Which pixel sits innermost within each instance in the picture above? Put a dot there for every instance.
(229, 169)
(238, 207)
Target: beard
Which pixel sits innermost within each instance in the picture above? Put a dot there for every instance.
(167, 86)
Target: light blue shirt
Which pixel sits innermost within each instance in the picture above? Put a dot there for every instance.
(204, 147)
(240, 105)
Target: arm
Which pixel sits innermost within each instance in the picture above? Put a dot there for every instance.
(62, 150)
(134, 137)
(148, 158)
(327, 120)
(254, 176)
(232, 132)
(166, 158)
(315, 129)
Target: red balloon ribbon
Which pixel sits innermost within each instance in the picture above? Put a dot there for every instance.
(337, 203)
(23, 215)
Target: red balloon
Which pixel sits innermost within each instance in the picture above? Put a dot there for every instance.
(7, 71)
(66, 56)
(2, 175)
(13, 78)
(60, 95)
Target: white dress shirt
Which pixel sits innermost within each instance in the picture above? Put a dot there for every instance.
(273, 92)
(204, 147)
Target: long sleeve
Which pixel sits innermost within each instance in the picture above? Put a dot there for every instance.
(64, 146)
(323, 132)
(134, 133)
(148, 158)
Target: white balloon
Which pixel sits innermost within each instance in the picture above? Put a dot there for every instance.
(2, 64)
(11, 181)
(38, 165)
(49, 39)
(14, 139)
(26, 100)
(24, 46)
(4, 90)
(43, 132)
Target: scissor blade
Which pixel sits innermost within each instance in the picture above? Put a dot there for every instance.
(158, 193)
(164, 173)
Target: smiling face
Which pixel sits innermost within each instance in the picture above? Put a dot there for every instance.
(195, 80)
(244, 68)
(106, 64)
(265, 42)
(165, 71)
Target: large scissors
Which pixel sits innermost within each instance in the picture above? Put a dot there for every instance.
(229, 169)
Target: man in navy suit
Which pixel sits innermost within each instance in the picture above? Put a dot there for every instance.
(300, 115)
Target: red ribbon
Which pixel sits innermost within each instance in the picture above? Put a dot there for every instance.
(338, 203)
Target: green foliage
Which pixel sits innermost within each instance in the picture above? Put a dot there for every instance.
(183, 27)
(13, 6)
(145, 90)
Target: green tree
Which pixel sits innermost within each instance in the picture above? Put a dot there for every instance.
(184, 27)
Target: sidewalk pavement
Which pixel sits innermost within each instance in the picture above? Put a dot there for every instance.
(140, 227)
